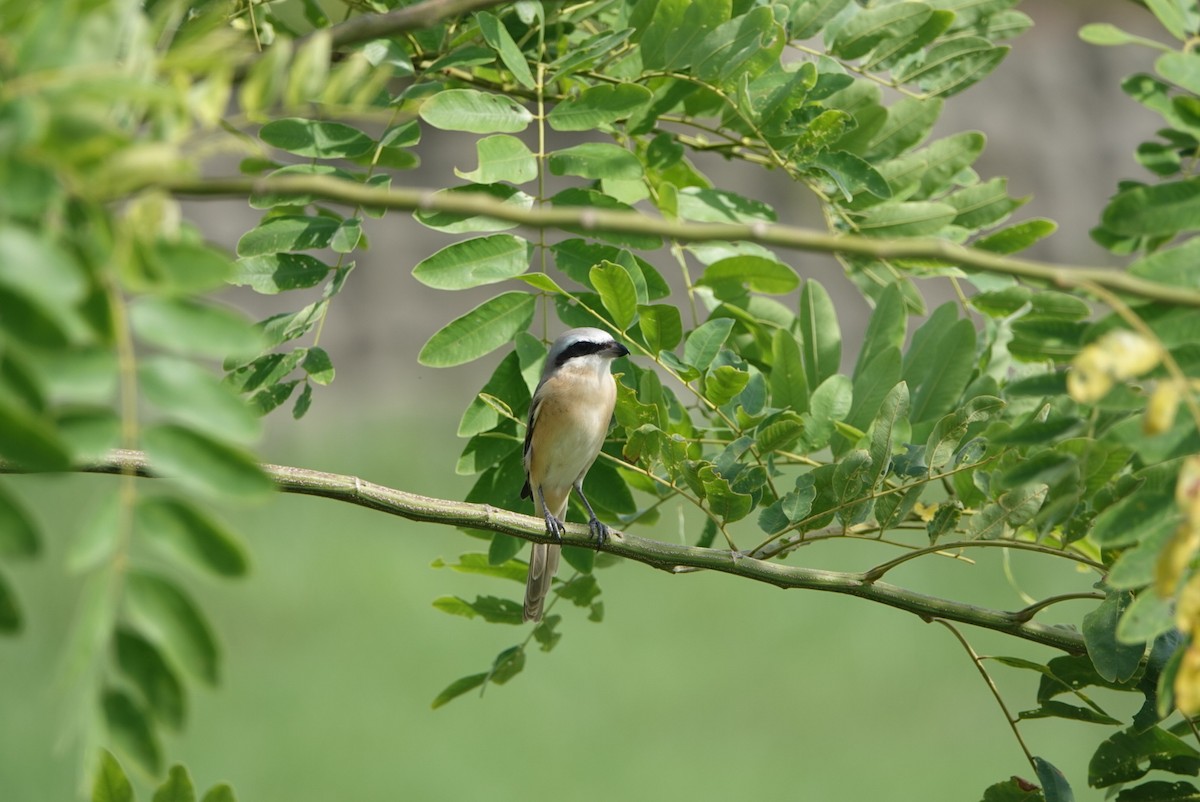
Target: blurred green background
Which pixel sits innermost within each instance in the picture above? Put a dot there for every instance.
(696, 686)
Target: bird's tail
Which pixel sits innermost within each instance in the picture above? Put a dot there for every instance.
(543, 562)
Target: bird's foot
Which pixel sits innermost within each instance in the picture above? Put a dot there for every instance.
(599, 531)
(554, 527)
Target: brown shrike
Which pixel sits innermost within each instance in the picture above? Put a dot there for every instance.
(568, 421)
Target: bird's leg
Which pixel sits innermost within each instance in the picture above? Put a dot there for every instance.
(554, 527)
(598, 530)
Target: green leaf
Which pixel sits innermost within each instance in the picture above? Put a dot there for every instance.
(892, 413)
(1149, 616)
(288, 233)
(318, 139)
(598, 106)
(503, 548)
(276, 272)
(146, 668)
(596, 160)
(171, 620)
(954, 65)
(475, 112)
(110, 783)
(1014, 789)
(788, 379)
(1174, 266)
(10, 613)
(1114, 660)
(204, 464)
(821, 337)
(1173, 17)
(810, 17)
(492, 609)
(617, 292)
(193, 327)
(481, 331)
(1054, 784)
(318, 366)
(701, 205)
(983, 205)
(672, 44)
(458, 688)
(831, 401)
(852, 174)
(1010, 511)
(475, 262)
(501, 158)
(177, 787)
(723, 501)
(885, 329)
(1016, 237)
(661, 326)
(190, 394)
(483, 565)
(347, 236)
(866, 29)
(939, 363)
(906, 219)
(1106, 34)
(598, 201)
(1139, 515)
(19, 533)
(1054, 709)
(1181, 69)
(29, 440)
(192, 536)
(500, 40)
(459, 223)
(1157, 210)
(1120, 759)
(705, 342)
(745, 44)
(131, 731)
(186, 267)
(722, 384)
(757, 272)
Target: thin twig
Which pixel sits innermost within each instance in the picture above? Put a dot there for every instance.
(978, 661)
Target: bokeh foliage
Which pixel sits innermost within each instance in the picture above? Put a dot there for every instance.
(1021, 415)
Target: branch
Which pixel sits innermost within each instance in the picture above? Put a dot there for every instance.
(657, 554)
(367, 27)
(783, 236)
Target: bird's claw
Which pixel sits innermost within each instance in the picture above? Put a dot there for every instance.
(599, 531)
(554, 527)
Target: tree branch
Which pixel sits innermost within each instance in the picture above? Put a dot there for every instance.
(366, 27)
(665, 556)
(595, 220)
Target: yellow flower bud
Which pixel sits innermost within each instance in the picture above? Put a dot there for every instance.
(1090, 377)
(1160, 412)
(1187, 491)
(1187, 609)
(1187, 683)
(1173, 560)
(1130, 353)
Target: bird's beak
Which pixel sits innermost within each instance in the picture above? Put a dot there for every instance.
(618, 350)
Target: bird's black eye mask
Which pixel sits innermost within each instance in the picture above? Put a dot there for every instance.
(581, 348)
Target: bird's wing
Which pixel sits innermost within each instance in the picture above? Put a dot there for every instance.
(534, 407)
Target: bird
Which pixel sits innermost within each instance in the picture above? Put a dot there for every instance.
(569, 417)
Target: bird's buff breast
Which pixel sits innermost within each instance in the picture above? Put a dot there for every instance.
(572, 425)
